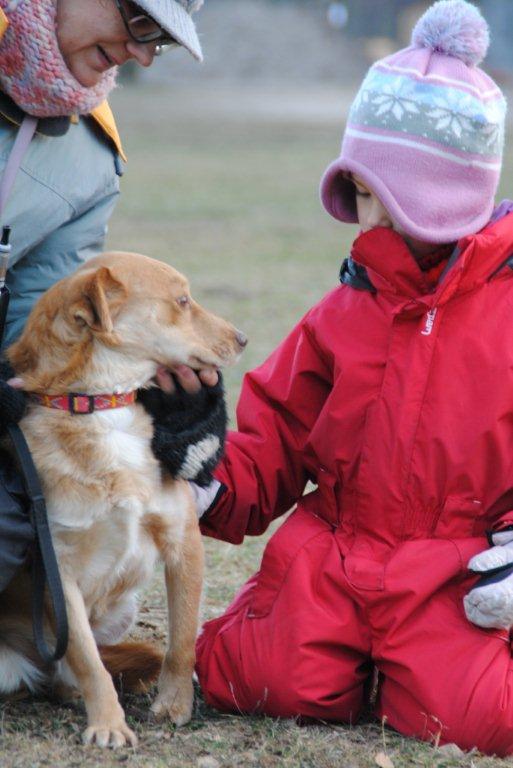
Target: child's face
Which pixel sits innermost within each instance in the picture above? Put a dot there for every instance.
(372, 213)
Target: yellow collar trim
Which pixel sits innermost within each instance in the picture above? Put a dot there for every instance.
(105, 119)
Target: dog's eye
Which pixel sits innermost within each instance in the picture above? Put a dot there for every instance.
(183, 301)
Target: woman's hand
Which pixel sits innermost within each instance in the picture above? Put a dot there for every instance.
(188, 379)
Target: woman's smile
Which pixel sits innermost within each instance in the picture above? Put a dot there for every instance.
(92, 39)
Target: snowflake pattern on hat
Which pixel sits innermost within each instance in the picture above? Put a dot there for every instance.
(438, 112)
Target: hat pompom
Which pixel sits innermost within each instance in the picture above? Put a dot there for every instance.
(454, 28)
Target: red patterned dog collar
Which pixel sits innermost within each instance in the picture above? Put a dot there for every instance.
(80, 404)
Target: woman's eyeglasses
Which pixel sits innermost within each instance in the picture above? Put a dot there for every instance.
(141, 27)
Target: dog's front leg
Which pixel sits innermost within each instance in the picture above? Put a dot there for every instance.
(184, 576)
(106, 725)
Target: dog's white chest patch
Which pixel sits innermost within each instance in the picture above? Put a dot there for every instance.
(122, 446)
(122, 556)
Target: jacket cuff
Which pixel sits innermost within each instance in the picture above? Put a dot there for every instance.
(207, 522)
(215, 501)
(504, 523)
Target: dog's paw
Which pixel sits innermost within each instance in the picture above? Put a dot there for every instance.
(110, 735)
(175, 701)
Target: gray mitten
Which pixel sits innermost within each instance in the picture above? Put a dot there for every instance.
(490, 603)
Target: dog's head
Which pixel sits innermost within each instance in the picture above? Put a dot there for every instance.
(113, 322)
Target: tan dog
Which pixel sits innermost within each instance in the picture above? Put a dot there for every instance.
(106, 329)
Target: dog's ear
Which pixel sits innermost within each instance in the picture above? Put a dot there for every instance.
(101, 297)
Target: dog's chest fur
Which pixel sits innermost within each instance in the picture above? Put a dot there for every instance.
(104, 494)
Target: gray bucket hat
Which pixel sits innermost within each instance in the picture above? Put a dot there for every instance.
(175, 17)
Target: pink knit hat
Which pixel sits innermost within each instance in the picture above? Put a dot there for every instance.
(426, 131)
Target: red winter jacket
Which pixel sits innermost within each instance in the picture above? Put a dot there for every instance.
(396, 402)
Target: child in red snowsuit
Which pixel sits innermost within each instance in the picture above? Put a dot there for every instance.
(394, 395)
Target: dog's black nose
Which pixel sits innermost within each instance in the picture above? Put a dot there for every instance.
(242, 339)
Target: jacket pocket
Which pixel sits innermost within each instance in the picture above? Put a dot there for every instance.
(504, 523)
(460, 517)
(281, 551)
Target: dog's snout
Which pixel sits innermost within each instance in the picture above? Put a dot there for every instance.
(241, 339)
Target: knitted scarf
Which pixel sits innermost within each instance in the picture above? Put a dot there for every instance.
(32, 70)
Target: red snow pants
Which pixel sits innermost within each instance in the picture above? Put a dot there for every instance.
(303, 636)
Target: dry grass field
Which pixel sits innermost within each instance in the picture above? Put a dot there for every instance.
(223, 185)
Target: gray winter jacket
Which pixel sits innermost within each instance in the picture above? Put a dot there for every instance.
(58, 209)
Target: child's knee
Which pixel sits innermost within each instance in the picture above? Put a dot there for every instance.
(234, 679)
(273, 695)
(224, 678)
(231, 678)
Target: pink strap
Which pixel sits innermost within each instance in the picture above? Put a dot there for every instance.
(20, 146)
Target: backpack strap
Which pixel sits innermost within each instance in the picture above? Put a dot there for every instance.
(20, 146)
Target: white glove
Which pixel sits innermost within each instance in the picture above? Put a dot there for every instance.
(203, 497)
(490, 603)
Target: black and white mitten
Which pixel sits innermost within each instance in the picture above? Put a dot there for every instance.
(189, 430)
(12, 401)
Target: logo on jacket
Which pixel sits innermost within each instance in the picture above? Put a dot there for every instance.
(430, 321)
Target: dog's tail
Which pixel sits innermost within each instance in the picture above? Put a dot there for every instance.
(134, 666)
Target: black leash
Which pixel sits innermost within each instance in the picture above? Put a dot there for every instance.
(44, 564)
